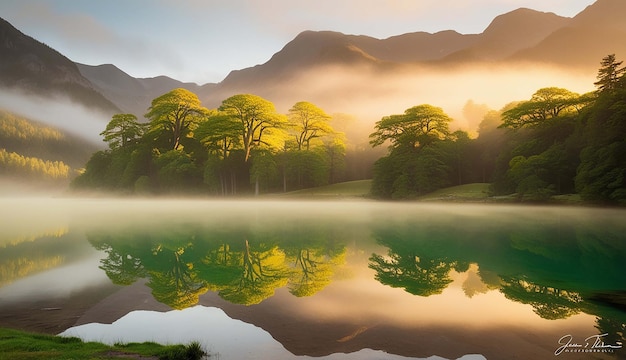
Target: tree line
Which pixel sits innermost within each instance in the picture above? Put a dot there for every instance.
(245, 146)
(32, 167)
(557, 142)
(38, 153)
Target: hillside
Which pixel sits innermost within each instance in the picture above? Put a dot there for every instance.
(129, 94)
(37, 153)
(509, 33)
(31, 66)
(338, 71)
(592, 34)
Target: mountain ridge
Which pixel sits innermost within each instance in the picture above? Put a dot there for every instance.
(31, 66)
(522, 35)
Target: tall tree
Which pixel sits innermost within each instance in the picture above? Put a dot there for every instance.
(258, 118)
(176, 114)
(609, 73)
(122, 130)
(308, 122)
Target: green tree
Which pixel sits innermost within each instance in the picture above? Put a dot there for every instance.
(418, 162)
(175, 115)
(546, 103)
(419, 125)
(258, 120)
(308, 122)
(609, 74)
(220, 133)
(122, 130)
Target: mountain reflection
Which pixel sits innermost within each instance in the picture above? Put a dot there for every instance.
(183, 261)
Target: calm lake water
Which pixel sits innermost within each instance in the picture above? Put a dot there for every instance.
(336, 280)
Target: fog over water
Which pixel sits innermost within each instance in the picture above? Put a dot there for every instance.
(411, 279)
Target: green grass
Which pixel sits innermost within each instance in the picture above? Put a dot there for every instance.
(22, 345)
(467, 192)
(349, 189)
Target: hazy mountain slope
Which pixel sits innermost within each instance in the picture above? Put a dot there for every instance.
(36, 157)
(31, 66)
(510, 33)
(129, 94)
(595, 32)
(33, 139)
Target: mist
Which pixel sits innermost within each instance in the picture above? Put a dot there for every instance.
(58, 112)
(370, 94)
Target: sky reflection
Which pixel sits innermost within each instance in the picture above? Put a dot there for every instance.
(323, 278)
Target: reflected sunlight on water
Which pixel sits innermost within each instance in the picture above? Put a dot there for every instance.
(324, 278)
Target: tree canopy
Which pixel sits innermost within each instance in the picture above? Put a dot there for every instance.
(257, 117)
(308, 122)
(175, 114)
(417, 126)
(122, 130)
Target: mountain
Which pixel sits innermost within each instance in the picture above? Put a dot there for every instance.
(312, 49)
(33, 67)
(510, 33)
(129, 94)
(595, 32)
(352, 66)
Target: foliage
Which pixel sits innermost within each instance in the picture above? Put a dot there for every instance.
(419, 125)
(419, 158)
(174, 116)
(17, 344)
(308, 122)
(609, 74)
(239, 147)
(12, 126)
(123, 130)
(545, 104)
(19, 165)
(257, 118)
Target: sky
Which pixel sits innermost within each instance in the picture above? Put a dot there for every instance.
(203, 40)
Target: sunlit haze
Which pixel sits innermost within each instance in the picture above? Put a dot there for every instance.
(202, 41)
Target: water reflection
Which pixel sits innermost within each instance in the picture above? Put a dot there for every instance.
(323, 278)
(561, 266)
(183, 261)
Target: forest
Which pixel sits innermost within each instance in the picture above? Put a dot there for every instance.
(557, 142)
(38, 153)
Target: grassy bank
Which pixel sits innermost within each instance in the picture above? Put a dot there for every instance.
(462, 193)
(349, 189)
(22, 345)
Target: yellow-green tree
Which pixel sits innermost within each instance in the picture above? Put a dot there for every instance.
(175, 115)
(308, 122)
(259, 121)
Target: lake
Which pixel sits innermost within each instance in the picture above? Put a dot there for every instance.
(319, 279)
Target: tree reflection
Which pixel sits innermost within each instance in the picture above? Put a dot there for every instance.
(122, 269)
(261, 272)
(173, 280)
(244, 267)
(553, 264)
(313, 270)
(410, 265)
(548, 302)
(417, 276)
